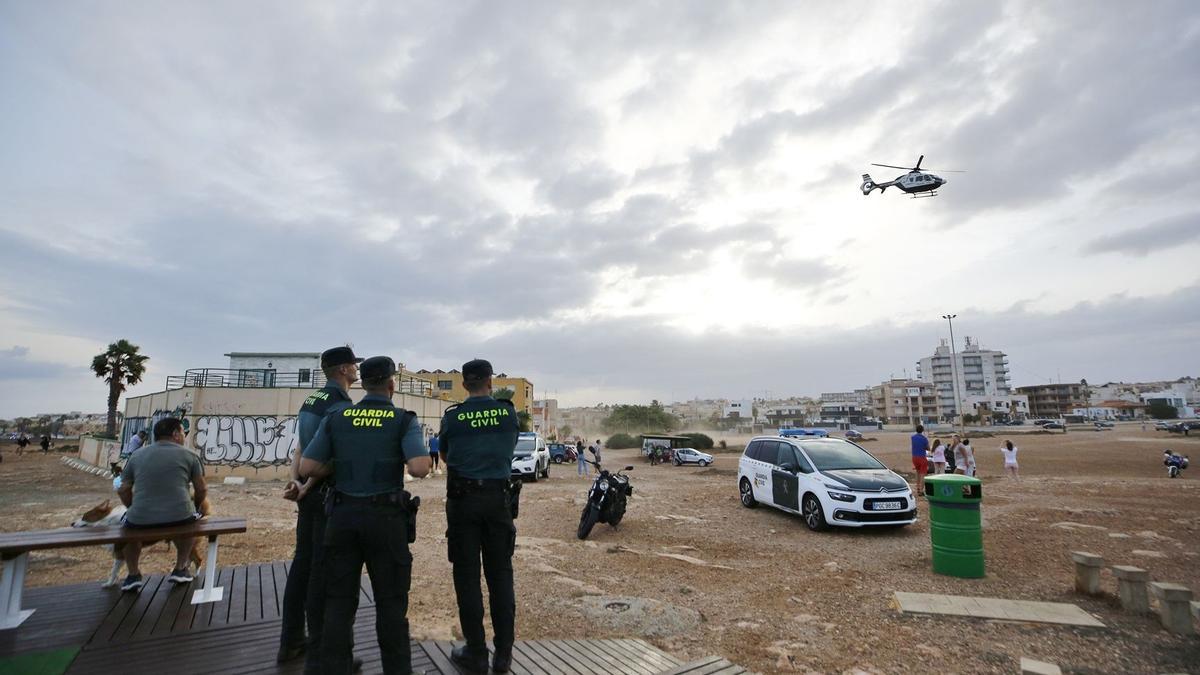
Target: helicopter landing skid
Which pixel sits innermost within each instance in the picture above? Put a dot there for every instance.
(923, 195)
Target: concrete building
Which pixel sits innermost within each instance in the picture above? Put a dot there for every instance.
(997, 408)
(244, 425)
(584, 421)
(545, 416)
(906, 401)
(697, 411)
(980, 372)
(1172, 399)
(739, 408)
(1187, 388)
(1055, 400)
(847, 407)
(448, 385)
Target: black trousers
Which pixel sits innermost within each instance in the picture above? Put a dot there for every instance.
(480, 528)
(304, 594)
(376, 535)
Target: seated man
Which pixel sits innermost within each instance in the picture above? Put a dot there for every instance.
(154, 485)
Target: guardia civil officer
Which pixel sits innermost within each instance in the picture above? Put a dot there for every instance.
(304, 593)
(477, 440)
(372, 520)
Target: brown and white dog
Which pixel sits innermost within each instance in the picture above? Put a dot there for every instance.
(107, 513)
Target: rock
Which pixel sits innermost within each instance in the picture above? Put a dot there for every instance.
(805, 618)
(831, 566)
(640, 616)
(1118, 535)
(1147, 554)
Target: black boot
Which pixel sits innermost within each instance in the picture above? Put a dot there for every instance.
(470, 660)
(502, 660)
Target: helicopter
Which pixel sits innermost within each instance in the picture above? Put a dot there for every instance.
(916, 182)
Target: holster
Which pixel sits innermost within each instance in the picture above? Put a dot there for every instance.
(514, 497)
(411, 506)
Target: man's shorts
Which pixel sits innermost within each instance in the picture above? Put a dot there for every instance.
(186, 521)
(921, 464)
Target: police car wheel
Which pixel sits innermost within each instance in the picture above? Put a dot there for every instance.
(536, 475)
(704, 462)
(814, 515)
(747, 494)
(546, 471)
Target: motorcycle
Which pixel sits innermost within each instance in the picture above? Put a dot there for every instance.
(1174, 463)
(606, 501)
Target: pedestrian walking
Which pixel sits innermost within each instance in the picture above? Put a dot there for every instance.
(479, 516)
(365, 448)
(920, 456)
(968, 455)
(938, 456)
(596, 451)
(581, 460)
(22, 442)
(45, 443)
(304, 593)
(1010, 460)
(434, 455)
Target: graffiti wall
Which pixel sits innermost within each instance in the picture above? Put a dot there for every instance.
(135, 424)
(244, 440)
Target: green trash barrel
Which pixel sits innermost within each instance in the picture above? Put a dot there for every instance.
(955, 526)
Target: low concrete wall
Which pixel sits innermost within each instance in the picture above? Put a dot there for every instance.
(246, 431)
(98, 451)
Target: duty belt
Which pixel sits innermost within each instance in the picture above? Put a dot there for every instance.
(386, 499)
(459, 484)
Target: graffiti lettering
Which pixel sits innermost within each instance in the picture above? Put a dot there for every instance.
(244, 440)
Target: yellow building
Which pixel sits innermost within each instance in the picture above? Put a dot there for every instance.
(448, 386)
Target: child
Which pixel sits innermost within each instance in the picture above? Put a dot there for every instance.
(1010, 460)
(939, 456)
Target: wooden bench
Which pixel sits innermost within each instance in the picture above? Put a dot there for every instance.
(15, 548)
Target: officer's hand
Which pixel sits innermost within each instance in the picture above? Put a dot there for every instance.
(291, 491)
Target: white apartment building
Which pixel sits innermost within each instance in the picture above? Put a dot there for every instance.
(739, 408)
(980, 372)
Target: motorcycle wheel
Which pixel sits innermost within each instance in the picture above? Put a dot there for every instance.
(587, 520)
(618, 512)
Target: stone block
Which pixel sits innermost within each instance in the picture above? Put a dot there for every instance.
(1087, 572)
(1032, 667)
(235, 480)
(1174, 607)
(1131, 588)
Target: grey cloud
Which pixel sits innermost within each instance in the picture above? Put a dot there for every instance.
(579, 188)
(15, 364)
(1157, 236)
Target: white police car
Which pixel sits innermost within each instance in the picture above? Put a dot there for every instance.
(829, 481)
(531, 459)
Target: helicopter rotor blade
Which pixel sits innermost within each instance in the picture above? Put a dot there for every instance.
(893, 166)
(919, 160)
(943, 171)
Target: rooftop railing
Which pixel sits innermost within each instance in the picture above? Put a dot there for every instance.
(266, 378)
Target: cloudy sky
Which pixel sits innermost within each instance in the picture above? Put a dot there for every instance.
(620, 201)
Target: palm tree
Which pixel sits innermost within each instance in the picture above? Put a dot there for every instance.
(120, 365)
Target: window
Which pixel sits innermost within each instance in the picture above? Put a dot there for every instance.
(784, 455)
(305, 375)
(754, 450)
(445, 385)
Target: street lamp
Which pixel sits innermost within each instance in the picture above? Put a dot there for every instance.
(954, 370)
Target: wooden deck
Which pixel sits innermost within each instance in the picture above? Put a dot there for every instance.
(159, 630)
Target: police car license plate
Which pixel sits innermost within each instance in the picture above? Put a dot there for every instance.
(887, 506)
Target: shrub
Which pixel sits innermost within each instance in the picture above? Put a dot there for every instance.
(700, 441)
(619, 441)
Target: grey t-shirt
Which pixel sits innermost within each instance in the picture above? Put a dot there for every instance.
(160, 474)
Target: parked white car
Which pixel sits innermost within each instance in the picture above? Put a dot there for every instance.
(829, 481)
(531, 459)
(691, 456)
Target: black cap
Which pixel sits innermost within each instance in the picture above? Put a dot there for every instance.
(377, 368)
(477, 369)
(338, 356)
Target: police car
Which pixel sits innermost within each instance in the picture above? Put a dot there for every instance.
(691, 456)
(531, 459)
(829, 481)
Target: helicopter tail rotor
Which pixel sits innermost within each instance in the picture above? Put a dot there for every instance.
(868, 185)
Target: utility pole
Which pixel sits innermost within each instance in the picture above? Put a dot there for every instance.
(954, 371)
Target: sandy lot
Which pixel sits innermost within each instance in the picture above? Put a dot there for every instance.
(754, 585)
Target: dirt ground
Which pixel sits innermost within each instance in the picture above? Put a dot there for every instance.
(700, 574)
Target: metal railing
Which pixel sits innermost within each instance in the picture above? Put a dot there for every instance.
(266, 378)
(252, 378)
